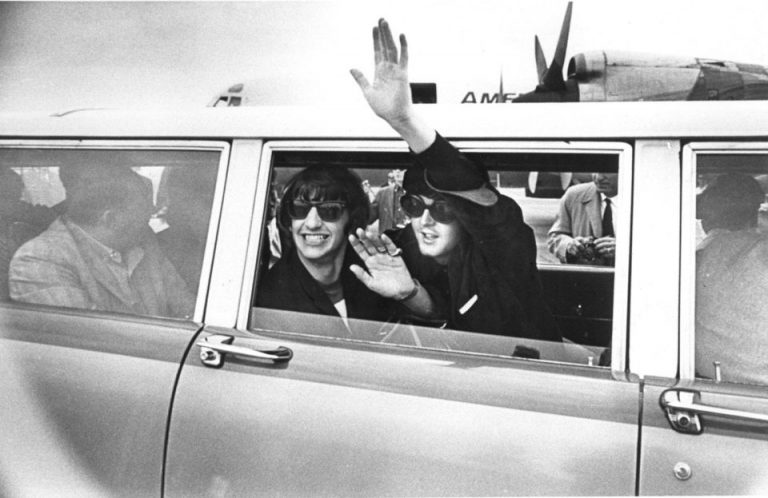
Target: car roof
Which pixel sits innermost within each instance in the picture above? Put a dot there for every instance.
(738, 119)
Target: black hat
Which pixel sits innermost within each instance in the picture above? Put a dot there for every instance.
(464, 178)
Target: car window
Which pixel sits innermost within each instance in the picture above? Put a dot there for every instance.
(575, 288)
(118, 230)
(731, 266)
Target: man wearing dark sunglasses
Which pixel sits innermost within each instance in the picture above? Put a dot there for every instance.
(467, 244)
(321, 206)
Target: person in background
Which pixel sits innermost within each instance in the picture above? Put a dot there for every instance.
(368, 190)
(101, 254)
(732, 282)
(11, 187)
(467, 244)
(19, 221)
(189, 201)
(584, 231)
(386, 205)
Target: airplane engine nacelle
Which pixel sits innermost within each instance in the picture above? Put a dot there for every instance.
(624, 76)
(588, 69)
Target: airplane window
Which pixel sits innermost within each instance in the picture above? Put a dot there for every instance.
(731, 267)
(108, 230)
(314, 199)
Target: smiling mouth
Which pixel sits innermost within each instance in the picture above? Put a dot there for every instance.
(314, 238)
(428, 237)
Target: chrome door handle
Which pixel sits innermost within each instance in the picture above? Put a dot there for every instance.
(214, 347)
(683, 408)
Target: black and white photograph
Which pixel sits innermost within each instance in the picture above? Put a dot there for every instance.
(405, 248)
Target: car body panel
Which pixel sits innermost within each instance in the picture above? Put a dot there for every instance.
(376, 420)
(653, 313)
(729, 457)
(90, 401)
(555, 121)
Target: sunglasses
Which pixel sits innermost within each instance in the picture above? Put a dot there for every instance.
(414, 207)
(327, 210)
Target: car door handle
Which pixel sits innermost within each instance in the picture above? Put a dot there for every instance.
(214, 347)
(683, 407)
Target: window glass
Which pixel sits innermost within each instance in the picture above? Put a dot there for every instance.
(109, 230)
(731, 267)
(573, 288)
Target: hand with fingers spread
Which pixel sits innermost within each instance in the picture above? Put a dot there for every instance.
(386, 272)
(390, 94)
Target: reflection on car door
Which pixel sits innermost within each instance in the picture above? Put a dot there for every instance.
(85, 401)
(380, 420)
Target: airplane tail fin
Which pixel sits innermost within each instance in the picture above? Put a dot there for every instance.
(553, 77)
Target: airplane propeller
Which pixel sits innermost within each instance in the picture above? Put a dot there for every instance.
(551, 79)
(541, 60)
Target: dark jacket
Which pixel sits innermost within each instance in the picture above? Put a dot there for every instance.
(496, 262)
(289, 286)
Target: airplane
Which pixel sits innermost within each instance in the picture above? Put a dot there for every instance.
(604, 76)
(596, 76)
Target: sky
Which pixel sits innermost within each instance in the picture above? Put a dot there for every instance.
(64, 55)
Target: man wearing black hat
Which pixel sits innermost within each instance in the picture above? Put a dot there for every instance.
(467, 245)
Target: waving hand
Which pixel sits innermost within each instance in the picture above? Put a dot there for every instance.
(390, 94)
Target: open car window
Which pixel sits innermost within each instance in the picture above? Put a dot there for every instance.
(579, 292)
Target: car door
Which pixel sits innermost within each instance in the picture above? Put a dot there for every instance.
(707, 432)
(289, 403)
(87, 392)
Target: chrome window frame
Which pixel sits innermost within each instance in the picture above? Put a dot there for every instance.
(220, 146)
(622, 149)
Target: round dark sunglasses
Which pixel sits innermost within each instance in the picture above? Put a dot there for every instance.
(327, 210)
(414, 207)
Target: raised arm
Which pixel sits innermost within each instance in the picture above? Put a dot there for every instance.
(390, 94)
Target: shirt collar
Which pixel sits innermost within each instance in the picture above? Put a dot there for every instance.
(133, 255)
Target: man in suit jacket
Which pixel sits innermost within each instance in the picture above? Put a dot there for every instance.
(386, 205)
(101, 255)
(584, 231)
